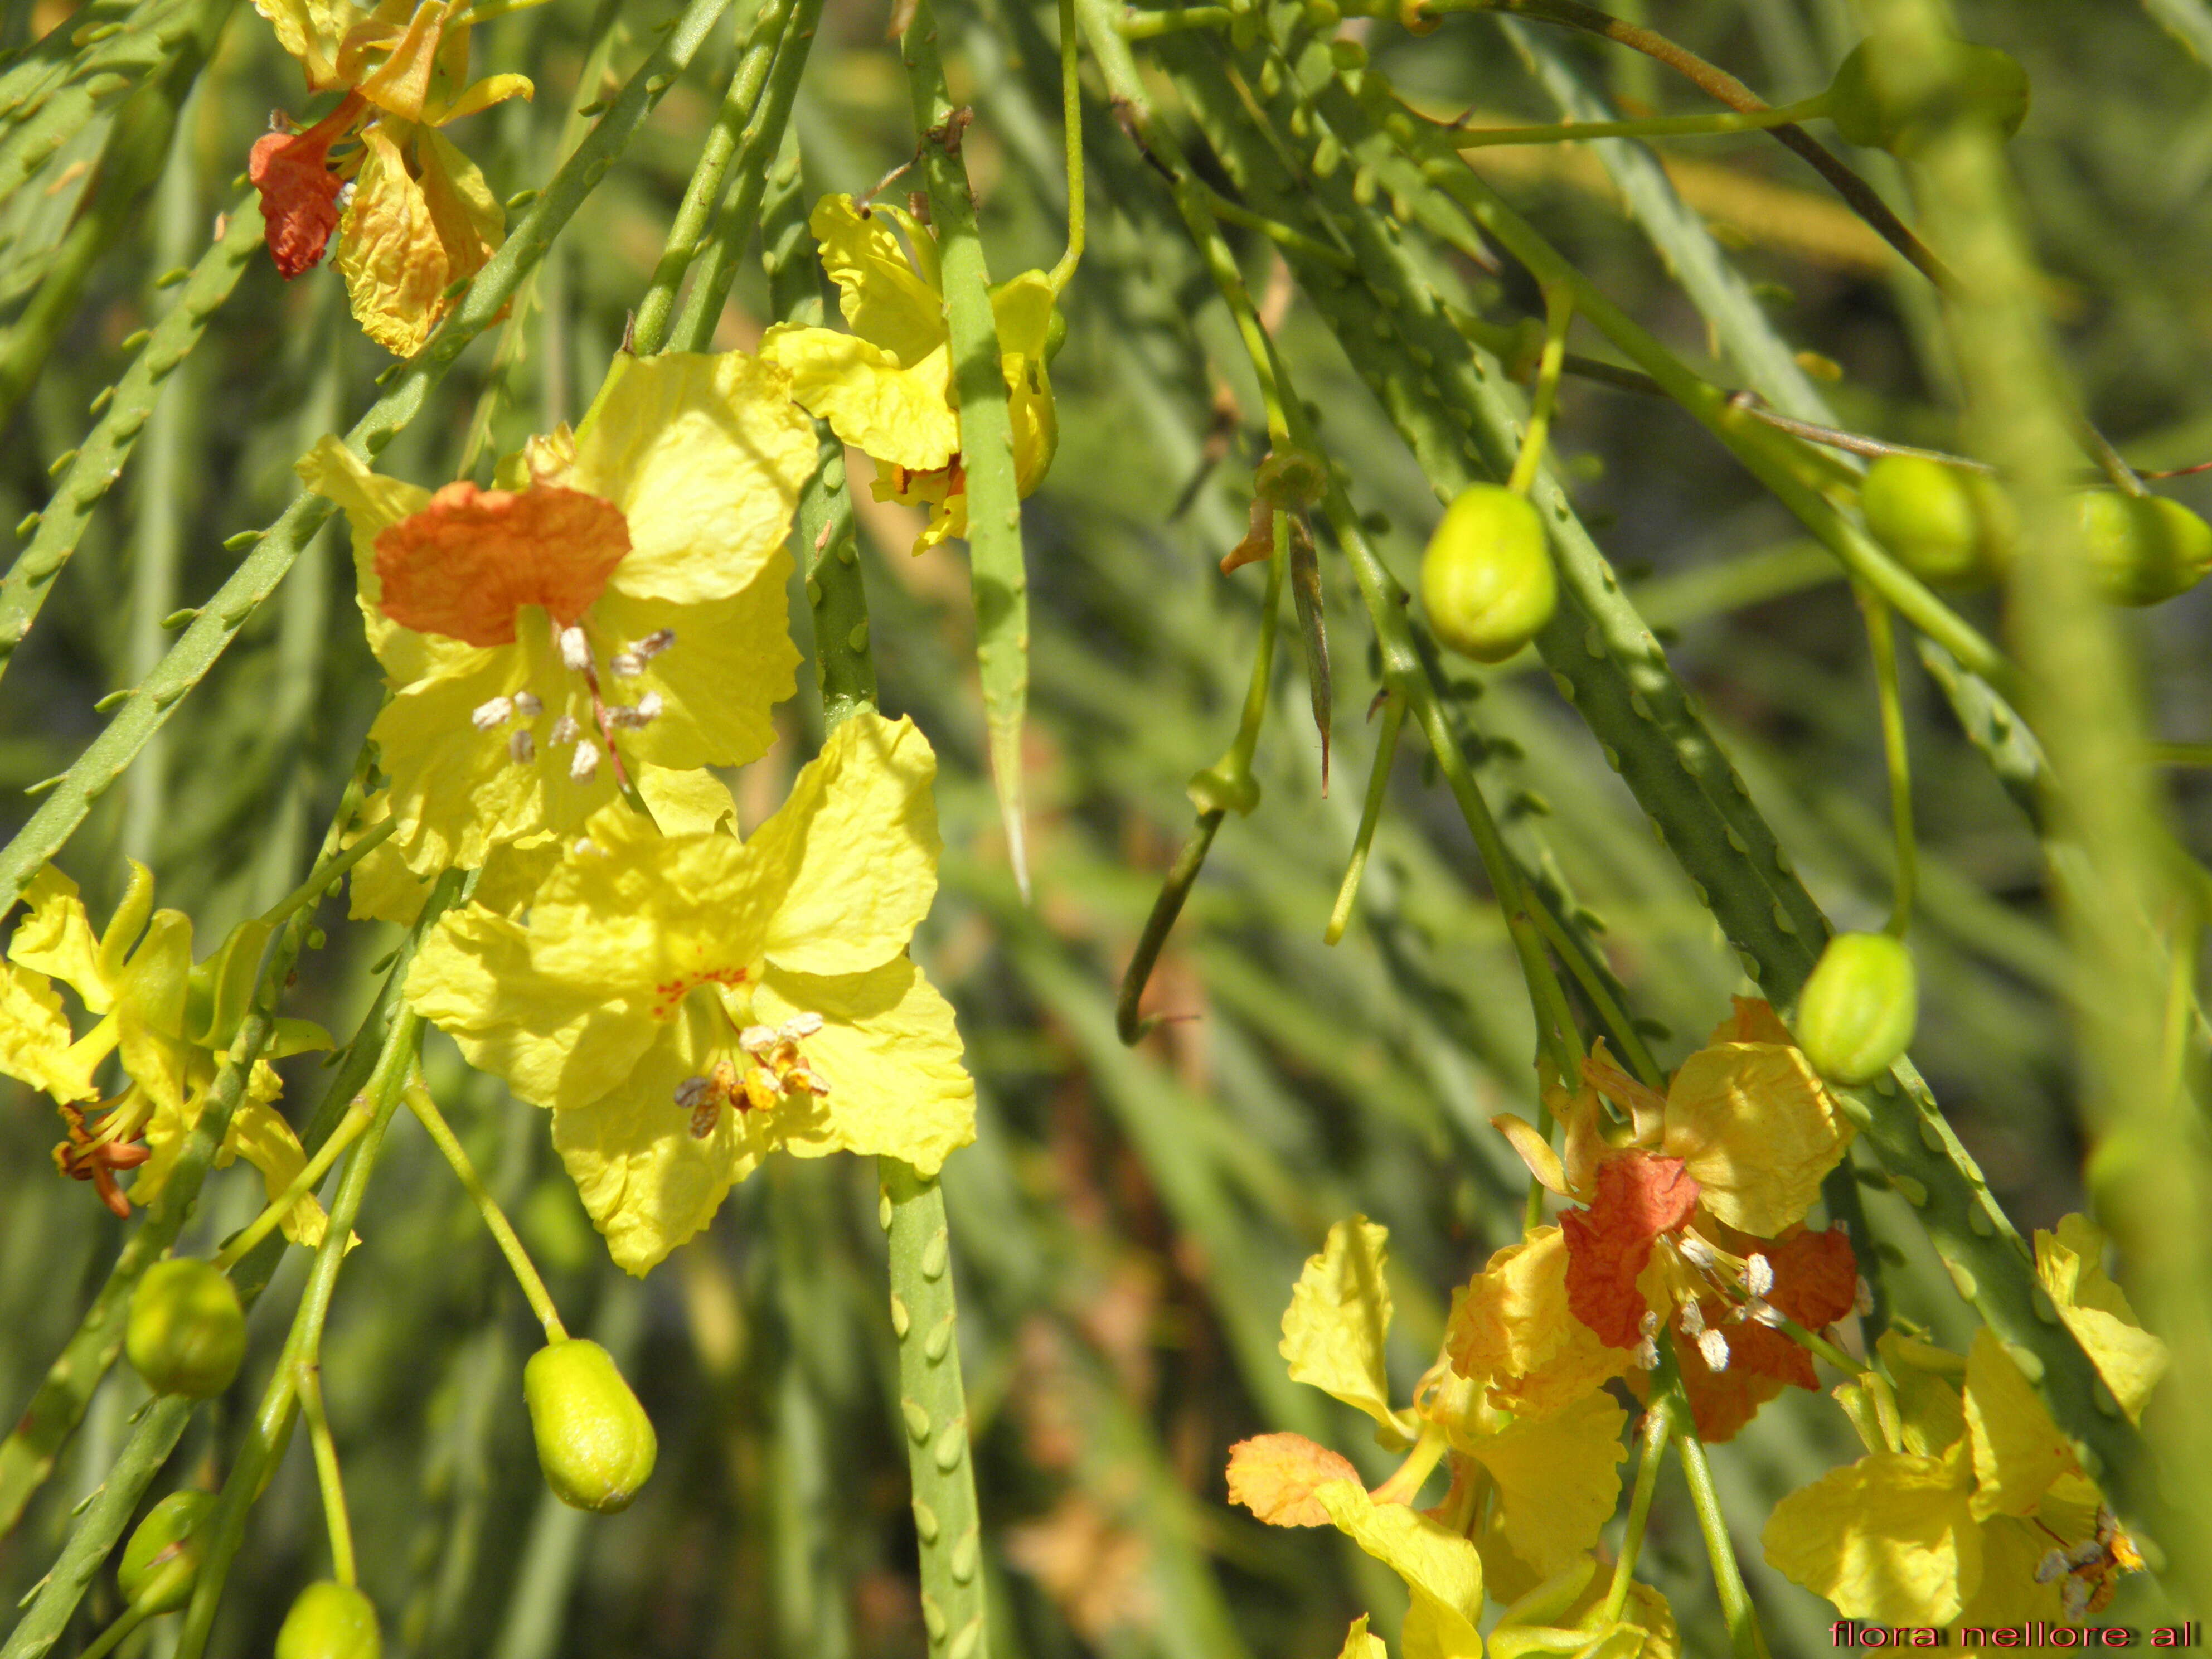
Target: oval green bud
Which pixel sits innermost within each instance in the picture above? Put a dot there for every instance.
(187, 1329)
(1486, 581)
(594, 1441)
(1981, 84)
(1856, 1014)
(1055, 334)
(331, 1621)
(2145, 548)
(1950, 527)
(162, 1558)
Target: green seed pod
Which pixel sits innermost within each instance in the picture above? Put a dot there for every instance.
(594, 1441)
(162, 1558)
(330, 1621)
(1856, 1014)
(2145, 548)
(1486, 581)
(1982, 84)
(187, 1329)
(1950, 527)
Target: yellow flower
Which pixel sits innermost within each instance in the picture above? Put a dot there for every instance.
(686, 1005)
(1969, 1509)
(887, 387)
(618, 602)
(172, 1024)
(420, 217)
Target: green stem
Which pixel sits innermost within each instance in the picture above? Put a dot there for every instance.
(1070, 116)
(306, 1380)
(1660, 126)
(1658, 1430)
(1370, 814)
(933, 1410)
(109, 1639)
(310, 1176)
(1882, 641)
(327, 872)
(1559, 314)
(1170, 19)
(1129, 1023)
(495, 1219)
(1633, 1048)
(1745, 1637)
(256, 577)
(999, 576)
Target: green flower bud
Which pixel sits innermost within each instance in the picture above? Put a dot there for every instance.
(2145, 548)
(594, 1441)
(1055, 334)
(1856, 1014)
(330, 1621)
(162, 1558)
(187, 1329)
(1950, 527)
(1486, 581)
(1980, 83)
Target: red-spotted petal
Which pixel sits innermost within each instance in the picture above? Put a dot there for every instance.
(466, 563)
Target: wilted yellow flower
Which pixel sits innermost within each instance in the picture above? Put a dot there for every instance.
(687, 1004)
(618, 602)
(419, 216)
(887, 388)
(171, 1022)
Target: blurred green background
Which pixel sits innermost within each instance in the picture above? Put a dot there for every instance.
(1129, 1223)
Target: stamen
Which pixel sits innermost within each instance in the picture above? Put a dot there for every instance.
(1693, 1321)
(575, 649)
(691, 1091)
(654, 644)
(584, 765)
(565, 730)
(344, 199)
(1757, 1274)
(2074, 1597)
(1713, 1348)
(1762, 1312)
(527, 706)
(623, 717)
(762, 1091)
(490, 716)
(758, 1041)
(1699, 1254)
(521, 748)
(626, 664)
(1647, 1354)
(1863, 1303)
(800, 1026)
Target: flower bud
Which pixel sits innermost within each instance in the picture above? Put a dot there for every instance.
(2145, 548)
(187, 1329)
(1486, 581)
(1856, 1014)
(162, 1558)
(330, 1621)
(594, 1441)
(1980, 83)
(1950, 527)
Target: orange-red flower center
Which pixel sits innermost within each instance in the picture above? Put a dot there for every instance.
(1639, 1196)
(464, 564)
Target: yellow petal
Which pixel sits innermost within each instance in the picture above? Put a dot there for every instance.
(692, 803)
(732, 661)
(855, 847)
(2008, 1594)
(470, 223)
(902, 415)
(1359, 1643)
(884, 301)
(2070, 1264)
(389, 250)
(150, 1006)
(35, 1037)
(1274, 1475)
(1558, 1482)
(2018, 1450)
(1022, 309)
(705, 456)
(311, 31)
(55, 939)
(401, 83)
(1512, 1331)
(1757, 1130)
(648, 1183)
(1339, 1316)
(1441, 1569)
(1890, 1539)
(265, 1140)
(483, 95)
(891, 1053)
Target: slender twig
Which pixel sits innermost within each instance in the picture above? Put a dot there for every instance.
(417, 1094)
(310, 1176)
(308, 1380)
(1658, 1430)
(1881, 639)
(1370, 814)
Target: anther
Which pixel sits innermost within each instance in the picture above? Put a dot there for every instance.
(1713, 1348)
(521, 748)
(625, 717)
(691, 1091)
(801, 1025)
(1700, 1255)
(1693, 1320)
(565, 730)
(1863, 1303)
(584, 764)
(345, 195)
(626, 664)
(1757, 1274)
(1647, 1354)
(527, 706)
(575, 649)
(490, 716)
(757, 1040)
(653, 644)
(1762, 1312)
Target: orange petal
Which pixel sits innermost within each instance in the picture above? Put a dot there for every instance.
(1722, 1402)
(1816, 1277)
(466, 563)
(1640, 1195)
(1273, 1475)
(299, 192)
